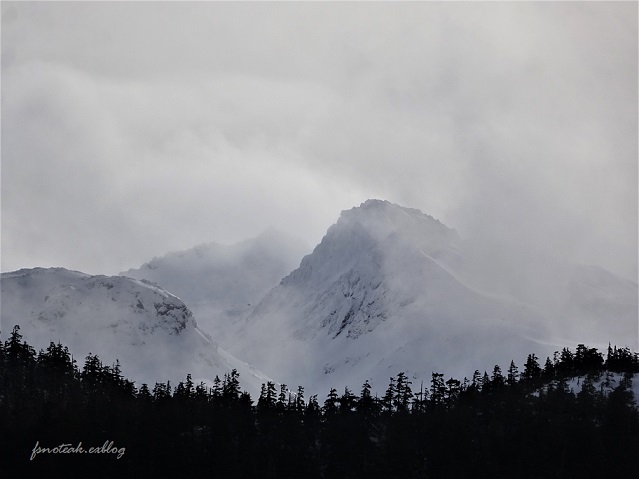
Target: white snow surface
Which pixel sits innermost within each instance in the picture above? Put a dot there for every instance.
(390, 289)
(150, 331)
(605, 383)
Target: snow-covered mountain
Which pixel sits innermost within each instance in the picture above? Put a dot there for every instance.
(221, 283)
(151, 331)
(390, 289)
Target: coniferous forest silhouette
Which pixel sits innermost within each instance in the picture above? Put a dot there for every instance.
(573, 415)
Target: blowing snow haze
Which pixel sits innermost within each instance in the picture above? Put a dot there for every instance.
(391, 289)
(221, 283)
(321, 195)
(130, 129)
(387, 289)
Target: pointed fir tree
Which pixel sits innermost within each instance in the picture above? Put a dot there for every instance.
(189, 388)
(389, 395)
(477, 381)
(216, 390)
(549, 369)
(331, 403)
(419, 400)
(268, 396)
(17, 351)
(144, 394)
(366, 403)
(200, 393)
(313, 408)
(403, 393)
(512, 375)
(180, 393)
(231, 386)
(497, 378)
(347, 402)
(453, 389)
(299, 400)
(565, 365)
(281, 399)
(532, 370)
(437, 389)
(261, 400)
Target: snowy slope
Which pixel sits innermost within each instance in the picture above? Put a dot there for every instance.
(605, 383)
(390, 289)
(586, 303)
(221, 283)
(149, 330)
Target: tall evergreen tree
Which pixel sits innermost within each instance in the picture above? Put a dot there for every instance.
(513, 374)
(549, 369)
(437, 389)
(477, 381)
(532, 370)
(18, 351)
(281, 399)
(403, 393)
(231, 386)
(299, 400)
(216, 390)
(453, 389)
(144, 393)
(387, 399)
(366, 403)
(331, 403)
(347, 402)
(420, 399)
(497, 378)
(268, 397)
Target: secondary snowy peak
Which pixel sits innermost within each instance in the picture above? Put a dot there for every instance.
(268, 251)
(54, 295)
(151, 331)
(219, 283)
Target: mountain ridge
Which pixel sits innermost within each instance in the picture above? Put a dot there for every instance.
(385, 285)
(150, 330)
(220, 283)
(387, 289)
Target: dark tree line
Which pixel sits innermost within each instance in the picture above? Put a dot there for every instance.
(525, 424)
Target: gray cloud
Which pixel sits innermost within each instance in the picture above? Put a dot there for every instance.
(131, 129)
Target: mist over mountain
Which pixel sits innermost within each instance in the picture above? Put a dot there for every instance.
(388, 289)
(151, 331)
(391, 289)
(221, 283)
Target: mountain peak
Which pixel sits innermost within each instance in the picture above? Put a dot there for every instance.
(221, 282)
(382, 220)
(390, 288)
(375, 203)
(384, 207)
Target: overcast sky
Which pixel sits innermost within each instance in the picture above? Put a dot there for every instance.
(134, 129)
